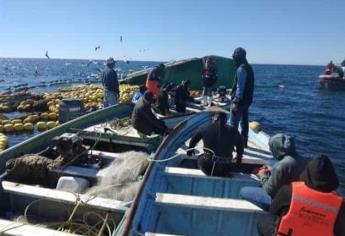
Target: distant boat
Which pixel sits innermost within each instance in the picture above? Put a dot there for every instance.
(190, 69)
(332, 81)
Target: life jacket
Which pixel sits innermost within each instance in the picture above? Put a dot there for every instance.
(311, 212)
(152, 86)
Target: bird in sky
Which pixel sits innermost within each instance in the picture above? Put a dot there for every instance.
(47, 56)
(97, 47)
(121, 39)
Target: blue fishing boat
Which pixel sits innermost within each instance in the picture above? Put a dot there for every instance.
(176, 198)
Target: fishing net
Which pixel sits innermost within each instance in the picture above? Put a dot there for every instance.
(117, 124)
(121, 180)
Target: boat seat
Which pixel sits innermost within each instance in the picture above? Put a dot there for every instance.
(90, 173)
(211, 203)
(196, 173)
(158, 234)
(195, 182)
(16, 228)
(61, 196)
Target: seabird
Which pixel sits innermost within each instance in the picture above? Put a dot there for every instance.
(97, 48)
(47, 56)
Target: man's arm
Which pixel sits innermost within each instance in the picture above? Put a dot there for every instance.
(271, 184)
(154, 121)
(241, 83)
(195, 139)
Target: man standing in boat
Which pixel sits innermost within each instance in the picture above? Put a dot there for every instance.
(219, 141)
(153, 81)
(241, 93)
(110, 84)
(209, 77)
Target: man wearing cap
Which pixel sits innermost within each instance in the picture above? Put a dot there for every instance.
(110, 84)
(241, 93)
(219, 141)
(143, 120)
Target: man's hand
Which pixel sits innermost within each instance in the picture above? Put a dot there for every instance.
(190, 152)
(263, 171)
(234, 107)
(238, 159)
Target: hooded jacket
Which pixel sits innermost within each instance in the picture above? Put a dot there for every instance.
(318, 175)
(288, 167)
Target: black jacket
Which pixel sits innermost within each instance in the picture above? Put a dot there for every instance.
(247, 98)
(220, 138)
(109, 80)
(163, 101)
(318, 175)
(145, 121)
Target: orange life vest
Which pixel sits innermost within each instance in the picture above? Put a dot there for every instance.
(152, 86)
(311, 212)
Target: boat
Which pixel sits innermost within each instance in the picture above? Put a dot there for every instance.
(176, 198)
(332, 81)
(69, 202)
(190, 69)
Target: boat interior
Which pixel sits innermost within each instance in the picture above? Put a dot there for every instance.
(184, 201)
(62, 200)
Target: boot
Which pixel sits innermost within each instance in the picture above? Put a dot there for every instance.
(209, 101)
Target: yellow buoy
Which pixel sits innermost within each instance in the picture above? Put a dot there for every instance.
(52, 116)
(16, 121)
(8, 128)
(4, 122)
(41, 126)
(35, 118)
(18, 127)
(44, 116)
(1, 128)
(51, 124)
(255, 126)
(28, 127)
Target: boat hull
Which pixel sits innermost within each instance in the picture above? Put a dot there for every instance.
(189, 69)
(332, 82)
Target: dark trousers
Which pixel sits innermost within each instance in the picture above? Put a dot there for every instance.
(181, 108)
(241, 117)
(207, 165)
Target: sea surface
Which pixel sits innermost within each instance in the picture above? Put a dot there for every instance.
(287, 99)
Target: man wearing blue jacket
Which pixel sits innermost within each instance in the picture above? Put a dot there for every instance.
(110, 84)
(241, 93)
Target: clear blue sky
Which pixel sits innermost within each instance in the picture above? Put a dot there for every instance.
(272, 31)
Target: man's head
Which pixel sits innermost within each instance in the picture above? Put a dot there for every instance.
(239, 57)
(148, 97)
(186, 83)
(218, 114)
(111, 62)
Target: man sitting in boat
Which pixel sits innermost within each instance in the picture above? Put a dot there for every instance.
(153, 80)
(163, 99)
(143, 120)
(182, 96)
(219, 141)
(329, 68)
(286, 170)
(308, 207)
(138, 94)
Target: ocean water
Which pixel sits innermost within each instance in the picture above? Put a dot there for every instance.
(287, 99)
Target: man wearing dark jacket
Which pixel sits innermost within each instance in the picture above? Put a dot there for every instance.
(163, 99)
(182, 96)
(319, 180)
(110, 84)
(241, 93)
(143, 120)
(219, 141)
(286, 170)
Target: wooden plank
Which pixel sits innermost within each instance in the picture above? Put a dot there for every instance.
(16, 228)
(77, 171)
(177, 171)
(62, 196)
(210, 203)
(109, 155)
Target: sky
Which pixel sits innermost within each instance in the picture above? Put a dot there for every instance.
(272, 31)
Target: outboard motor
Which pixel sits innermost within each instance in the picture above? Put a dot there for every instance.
(222, 93)
(70, 109)
(69, 146)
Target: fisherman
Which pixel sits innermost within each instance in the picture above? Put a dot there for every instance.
(110, 84)
(219, 141)
(163, 99)
(343, 66)
(329, 68)
(308, 207)
(143, 120)
(241, 93)
(286, 170)
(139, 93)
(153, 80)
(182, 96)
(209, 77)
